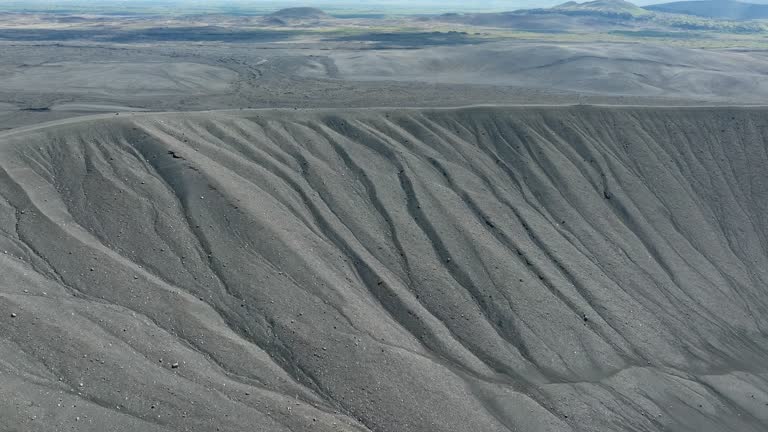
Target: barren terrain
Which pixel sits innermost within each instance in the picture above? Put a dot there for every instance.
(546, 220)
(530, 268)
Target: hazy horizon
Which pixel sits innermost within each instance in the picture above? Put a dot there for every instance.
(223, 6)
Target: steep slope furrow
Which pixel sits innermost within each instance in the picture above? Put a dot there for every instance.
(370, 192)
(643, 226)
(682, 180)
(165, 241)
(557, 180)
(677, 317)
(427, 138)
(707, 256)
(745, 192)
(491, 360)
(413, 282)
(159, 322)
(435, 340)
(211, 136)
(547, 174)
(686, 251)
(498, 147)
(534, 273)
(533, 238)
(421, 220)
(535, 270)
(570, 207)
(701, 207)
(279, 134)
(268, 154)
(630, 224)
(82, 383)
(521, 138)
(265, 154)
(488, 269)
(656, 196)
(325, 219)
(508, 332)
(200, 244)
(24, 209)
(325, 228)
(285, 178)
(740, 282)
(550, 255)
(270, 342)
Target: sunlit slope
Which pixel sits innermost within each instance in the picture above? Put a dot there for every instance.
(483, 269)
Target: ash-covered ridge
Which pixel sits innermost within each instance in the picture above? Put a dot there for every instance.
(486, 269)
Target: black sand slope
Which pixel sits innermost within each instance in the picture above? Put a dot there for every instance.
(485, 269)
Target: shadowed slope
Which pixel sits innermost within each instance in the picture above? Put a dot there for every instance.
(485, 268)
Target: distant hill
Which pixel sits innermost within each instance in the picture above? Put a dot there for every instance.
(299, 13)
(602, 7)
(718, 9)
(561, 18)
(616, 15)
(538, 20)
(595, 8)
